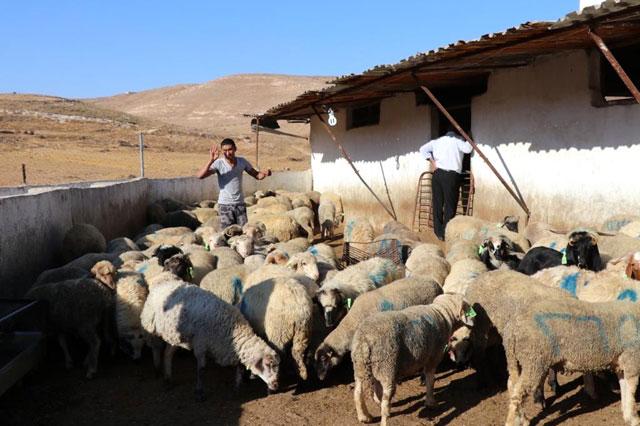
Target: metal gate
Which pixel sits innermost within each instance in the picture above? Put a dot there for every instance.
(423, 215)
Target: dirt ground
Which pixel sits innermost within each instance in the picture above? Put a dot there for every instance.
(128, 393)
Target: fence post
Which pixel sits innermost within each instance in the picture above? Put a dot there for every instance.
(141, 141)
(24, 174)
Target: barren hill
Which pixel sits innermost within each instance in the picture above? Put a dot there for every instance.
(65, 140)
(217, 106)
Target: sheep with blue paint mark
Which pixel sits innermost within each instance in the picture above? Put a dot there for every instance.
(402, 294)
(571, 279)
(389, 346)
(609, 286)
(460, 250)
(227, 283)
(613, 224)
(463, 273)
(359, 233)
(428, 260)
(576, 336)
(338, 292)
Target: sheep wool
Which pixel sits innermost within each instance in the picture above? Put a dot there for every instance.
(462, 249)
(187, 316)
(82, 238)
(463, 273)
(391, 345)
(402, 294)
(571, 279)
(280, 310)
(131, 293)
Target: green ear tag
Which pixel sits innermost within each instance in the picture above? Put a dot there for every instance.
(564, 258)
(470, 313)
(446, 348)
(206, 247)
(348, 303)
(190, 271)
(481, 249)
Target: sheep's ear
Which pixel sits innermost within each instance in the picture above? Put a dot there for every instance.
(629, 269)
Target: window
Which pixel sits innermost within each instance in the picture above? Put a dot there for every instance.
(367, 115)
(609, 88)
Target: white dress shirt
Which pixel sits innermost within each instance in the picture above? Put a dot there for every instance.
(447, 151)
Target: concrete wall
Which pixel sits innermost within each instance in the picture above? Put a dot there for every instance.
(32, 225)
(573, 162)
(392, 145)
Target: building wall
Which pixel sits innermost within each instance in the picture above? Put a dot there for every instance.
(33, 224)
(392, 145)
(574, 163)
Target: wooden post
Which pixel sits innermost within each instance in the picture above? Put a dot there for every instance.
(464, 134)
(257, 141)
(24, 174)
(616, 65)
(141, 142)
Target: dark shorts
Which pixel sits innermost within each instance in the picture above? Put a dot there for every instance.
(231, 214)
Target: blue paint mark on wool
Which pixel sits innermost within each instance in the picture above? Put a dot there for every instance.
(143, 268)
(628, 294)
(236, 283)
(385, 305)
(552, 245)
(313, 250)
(379, 277)
(569, 283)
(349, 229)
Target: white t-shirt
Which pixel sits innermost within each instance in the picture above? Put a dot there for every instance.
(448, 151)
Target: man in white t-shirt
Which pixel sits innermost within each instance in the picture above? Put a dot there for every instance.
(229, 169)
(445, 155)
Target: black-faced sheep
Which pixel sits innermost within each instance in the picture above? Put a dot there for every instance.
(582, 250)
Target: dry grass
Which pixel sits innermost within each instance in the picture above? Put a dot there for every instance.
(62, 140)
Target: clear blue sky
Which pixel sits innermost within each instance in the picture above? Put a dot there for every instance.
(88, 48)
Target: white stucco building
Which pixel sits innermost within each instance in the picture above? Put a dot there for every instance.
(541, 96)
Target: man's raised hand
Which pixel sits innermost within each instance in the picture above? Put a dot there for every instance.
(214, 153)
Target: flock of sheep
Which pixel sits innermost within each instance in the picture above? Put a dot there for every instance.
(262, 298)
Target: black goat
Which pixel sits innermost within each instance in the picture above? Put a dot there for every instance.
(164, 252)
(497, 252)
(582, 250)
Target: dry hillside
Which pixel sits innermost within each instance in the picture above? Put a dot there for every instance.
(217, 106)
(61, 140)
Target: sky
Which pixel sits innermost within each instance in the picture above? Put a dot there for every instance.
(87, 48)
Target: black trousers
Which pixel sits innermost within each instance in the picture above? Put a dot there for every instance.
(445, 190)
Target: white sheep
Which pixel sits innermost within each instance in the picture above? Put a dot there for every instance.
(462, 249)
(359, 233)
(80, 307)
(278, 226)
(632, 229)
(426, 260)
(327, 217)
(612, 247)
(131, 293)
(338, 292)
(187, 316)
(614, 223)
(227, 283)
(389, 346)
(579, 337)
(254, 261)
(280, 310)
(226, 256)
(243, 244)
(571, 279)
(402, 294)
(463, 272)
(305, 218)
(336, 200)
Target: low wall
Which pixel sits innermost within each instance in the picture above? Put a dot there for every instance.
(33, 223)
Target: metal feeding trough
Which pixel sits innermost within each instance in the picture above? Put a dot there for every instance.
(21, 339)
